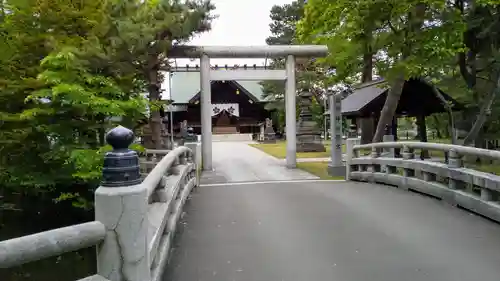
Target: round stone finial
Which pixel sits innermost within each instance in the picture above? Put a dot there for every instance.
(120, 137)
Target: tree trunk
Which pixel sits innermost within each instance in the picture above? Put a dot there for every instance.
(367, 74)
(367, 129)
(449, 111)
(415, 21)
(154, 97)
(483, 115)
(390, 106)
(439, 135)
(422, 134)
(367, 125)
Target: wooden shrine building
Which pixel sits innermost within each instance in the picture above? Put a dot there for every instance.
(237, 106)
(417, 100)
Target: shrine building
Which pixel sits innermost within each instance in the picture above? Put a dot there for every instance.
(237, 106)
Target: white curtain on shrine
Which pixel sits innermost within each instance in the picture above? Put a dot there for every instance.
(231, 108)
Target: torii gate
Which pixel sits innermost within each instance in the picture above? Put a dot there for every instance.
(205, 53)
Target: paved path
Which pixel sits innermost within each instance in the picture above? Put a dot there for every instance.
(329, 231)
(239, 162)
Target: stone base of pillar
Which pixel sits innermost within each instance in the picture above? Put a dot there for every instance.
(269, 134)
(336, 171)
(310, 147)
(269, 137)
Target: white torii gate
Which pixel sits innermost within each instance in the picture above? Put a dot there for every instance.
(205, 53)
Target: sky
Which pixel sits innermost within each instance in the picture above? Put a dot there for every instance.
(239, 23)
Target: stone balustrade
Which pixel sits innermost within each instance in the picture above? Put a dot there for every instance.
(150, 158)
(51, 243)
(444, 175)
(135, 218)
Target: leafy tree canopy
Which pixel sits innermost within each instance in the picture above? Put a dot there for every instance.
(69, 71)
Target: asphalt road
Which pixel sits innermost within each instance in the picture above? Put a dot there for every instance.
(330, 231)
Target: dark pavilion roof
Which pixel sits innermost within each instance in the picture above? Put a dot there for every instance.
(368, 99)
(186, 87)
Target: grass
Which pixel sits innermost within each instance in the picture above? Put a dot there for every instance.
(493, 168)
(278, 150)
(318, 169)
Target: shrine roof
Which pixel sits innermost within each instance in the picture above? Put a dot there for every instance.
(368, 99)
(186, 85)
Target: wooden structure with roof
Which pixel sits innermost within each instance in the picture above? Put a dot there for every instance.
(418, 99)
(237, 106)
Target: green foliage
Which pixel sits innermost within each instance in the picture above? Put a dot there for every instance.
(454, 44)
(387, 29)
(283, 32)
(72, 89)
(69, 71)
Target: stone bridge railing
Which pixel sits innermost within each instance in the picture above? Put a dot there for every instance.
(135, 218)
(444, 175)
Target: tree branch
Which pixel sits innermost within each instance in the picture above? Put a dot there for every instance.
(389, 23)
(467, 76)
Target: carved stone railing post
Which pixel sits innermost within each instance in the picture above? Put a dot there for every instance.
(196, 158)
(486, 193)
(121, 205)
(454, 161)
(374, 168)
(388, 152)
(350, 154)
(408, 155)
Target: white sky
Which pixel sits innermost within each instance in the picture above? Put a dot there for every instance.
(239, 23)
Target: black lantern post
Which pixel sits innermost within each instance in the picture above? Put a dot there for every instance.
(121, 166)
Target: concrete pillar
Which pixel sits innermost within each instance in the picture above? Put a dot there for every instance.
(124, 254)
(121, 204)
(336, 129)
(291, 114)
(206, 114)
(336, 167)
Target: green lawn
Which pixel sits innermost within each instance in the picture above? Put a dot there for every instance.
(318, 169)
(493, 168)
(278, 150)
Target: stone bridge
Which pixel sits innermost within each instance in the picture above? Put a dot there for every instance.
(394, 218)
